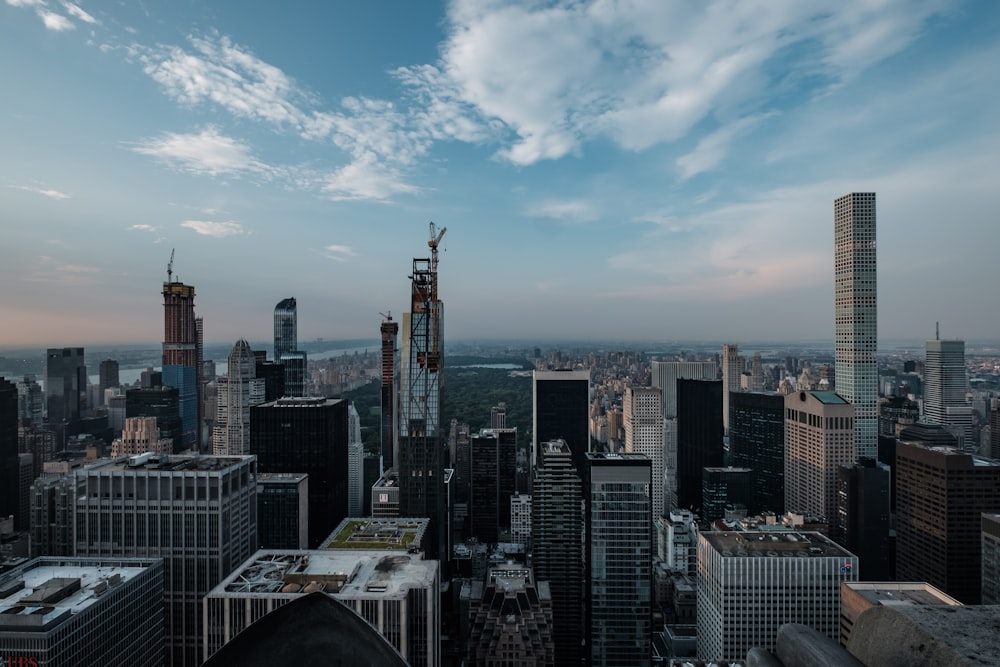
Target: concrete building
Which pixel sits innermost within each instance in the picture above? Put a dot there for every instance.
(236, 392)
(750, 583)
(619, 556)
(520, 517)
(757, 441)
(665, 374)
(396, 592)
(991, 559)
(941, 495)
(856, 314)
(82, 611)
(283, 510)
(52, 516)
(162, 403)
(732, 369)
(945, 385)
(355, 455)
(140, 435)
(819, 438)
(198, 513)
(642, 410)
(385, 495)
(857, 597)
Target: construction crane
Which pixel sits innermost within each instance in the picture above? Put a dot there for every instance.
(434, 354)
(170, 266)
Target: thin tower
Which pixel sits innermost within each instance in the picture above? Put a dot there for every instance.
(180, 353)
(389, 330)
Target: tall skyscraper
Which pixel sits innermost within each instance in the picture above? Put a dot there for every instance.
(355, 456)
(108, 378)
(619, 558)
(65, 385)
(9, 460)
(283, 510)
(699, 436)
(286, 343)
(561, 411)
(732, 368)
(643, 417)
(31, 401)
(162, 403)
(665, 375)
(296, 435)
(236, 392)
(557, 530)
(856, 314)
(389, 330)
(757, 441)
(819, 438)
(421, 469)
(198, 513)
(941, 495)
(862, 525)
(945, 384)
(180, 356)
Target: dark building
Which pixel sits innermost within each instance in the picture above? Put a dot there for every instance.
(557, 535)
(941, 496)
(9, 459)
(757, 441)
(699, 436)
(65, 387)
(162, 403)
(371, 466)
(38, 441)
(52, 516)
(273, 374)
(618, 518)
(181, 365)
(862, 523)
(283, 510)
(286, 350)
(510, 619)
(995, 432)
(389, 330)
(561, 411)
(306, 435)
(894, 410)
(483, 511)
(722, 488)
(461, 480)
(108, 378)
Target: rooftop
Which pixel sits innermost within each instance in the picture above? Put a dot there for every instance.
(382, 533)
(829, 397)
(168, 463)
(775, 544)
(278, 477)
(896, 593)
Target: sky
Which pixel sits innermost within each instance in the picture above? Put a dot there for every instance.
(606, 170)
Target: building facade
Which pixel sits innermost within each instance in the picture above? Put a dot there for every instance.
(642, 411)
(283, 510)
(286, 343)
(389, 330)
(991, 558)
(236, 392)
(732, 369)
(757, 441)
(699, 436)
(141, 435)
(945, 385)
(856, 314)
(9, 459)
(560, 407)
(181, 368)
(510, 619)
(862, 524)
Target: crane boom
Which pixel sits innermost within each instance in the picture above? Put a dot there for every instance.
(170, 266)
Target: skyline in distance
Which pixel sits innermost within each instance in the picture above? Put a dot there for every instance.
(652, 172)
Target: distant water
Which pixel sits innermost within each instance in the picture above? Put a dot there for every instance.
(505, 367)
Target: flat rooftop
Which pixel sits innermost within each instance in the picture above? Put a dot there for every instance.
(168, 462)
(280, 477)
(738, 544)
(378, 533)
(345, 574)
(829, 397)
(48, 591)
(887, 593)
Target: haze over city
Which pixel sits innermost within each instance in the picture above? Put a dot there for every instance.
(642, 170)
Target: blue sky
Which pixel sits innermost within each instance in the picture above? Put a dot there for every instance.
(634, 170)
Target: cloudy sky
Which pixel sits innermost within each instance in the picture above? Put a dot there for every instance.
(638, 169)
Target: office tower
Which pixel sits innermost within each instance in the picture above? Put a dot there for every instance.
(520, 518)
(862, 524)
(498, 416)
(642, 412)
(945, 383)
(819, 438)
(150, 378)
(941, 494)
(756, 373)
(699, 436)
(619, 558)
(306, 435)
(665, 374)
(751, 583)
(51, 508)
(732, 367)
(389, 330)
(108, 378)
(237, 392)
(385, 495)
(557, 529)
(560, 411)
(991, 559)
(395, 592)
(9, 460)
(162, 403)
(510, 618)
(856, 314)
(725, 488)
(857, 597)
(283, 510)
(994, 448)
(896, 410)
(371, 470)
(82, 611)
(355, 454)
(65, 385)
(141, 435)
(757, 441)
(420, 464)
(492, 464)
(30, 401)
(38, 441)
(180, 357)
(286, 343)
(198, 513)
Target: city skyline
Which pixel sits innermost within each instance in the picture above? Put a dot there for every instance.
(666, 166)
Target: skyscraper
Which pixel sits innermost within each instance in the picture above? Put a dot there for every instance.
(65, 385)
(757, 441)
(945, 383)
(9, 460)
(108, 378)
(856, 314)
(180, 356)
(388, 329)
(355, 456)
(619, 558)
(643, 417)
(421, 469)
(862, 525)
(732, 367)
(699, 436)
(561, 411)
(286, 343)
(237, 392)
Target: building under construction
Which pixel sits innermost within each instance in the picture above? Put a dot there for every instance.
(182, 355)
(420, 464)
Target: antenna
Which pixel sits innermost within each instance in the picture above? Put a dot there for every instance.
(387, 316)
(937, 331)
(170, 266)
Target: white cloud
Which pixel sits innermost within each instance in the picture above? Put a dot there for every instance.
(365, 179)
(46, 192)
(143, 228)
(56, 22)
(207, 152)
(216, 229)
(712, 149)
(77, 12)
(567, 211)
(339, 253)
(26, 3)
